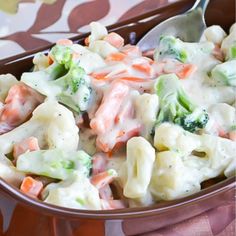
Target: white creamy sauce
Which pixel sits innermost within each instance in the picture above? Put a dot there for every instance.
(161, 163)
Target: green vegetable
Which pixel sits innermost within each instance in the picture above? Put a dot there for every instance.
(232, 51)
(176, 106)
(62, 55)
(171, 47)
(55, 163)
(64, 80)
(225, 73)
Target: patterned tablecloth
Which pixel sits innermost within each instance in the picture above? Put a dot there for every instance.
(28, 24)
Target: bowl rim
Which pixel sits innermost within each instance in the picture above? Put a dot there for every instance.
(155, 209)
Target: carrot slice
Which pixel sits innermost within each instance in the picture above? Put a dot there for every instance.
(19, 104)
(31, 186)
(99, 163)
(125, 135)
(131, 50)
(185, 70)
(50, 60)
(86, 41)
(182, 70)
(119, 139)
(126, 111)
(135, 79)
(144, 67)
(232, 135)
(118, 56)
(106, 113)
(29, 144)
(64, 42)
(99, 76)
(103, 178)
(114, 39)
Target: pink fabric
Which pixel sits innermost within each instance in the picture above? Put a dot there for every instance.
(19, 33)
(216, 222)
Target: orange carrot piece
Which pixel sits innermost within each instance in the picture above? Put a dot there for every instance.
(19, 104)
(106, 113)
(29, 144)
(99, 76)
(217, 53)
(185, 70)
(222, 133)
(134, 79)
(117, 56)
(180, 69)
(103, 178)
(126, 111)
(124, 135)
(114, 39)
(121, 137)
(86, 41)
(64, 42)
(50, 60)
(144, 68)
(103, 146)
(31, 187)
(232, 135)
(99, 163)
(131, 50)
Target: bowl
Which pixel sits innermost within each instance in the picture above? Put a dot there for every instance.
(23, 216)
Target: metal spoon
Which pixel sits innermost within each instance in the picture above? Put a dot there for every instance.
(188, 27)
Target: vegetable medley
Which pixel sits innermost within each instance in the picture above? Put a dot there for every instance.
(102, 126)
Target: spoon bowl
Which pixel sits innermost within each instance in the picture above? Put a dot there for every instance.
(188, 27)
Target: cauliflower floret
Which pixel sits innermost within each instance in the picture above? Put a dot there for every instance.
(98, 31)
(139, 164)
(9, 173)
(173, 137)
(75, 192)
(228, 45)
(222, 117)
(52, 124)
(40, 61)
(146, 200)
(171, 178)
(214, 34)
(187, 159)
(146, 108)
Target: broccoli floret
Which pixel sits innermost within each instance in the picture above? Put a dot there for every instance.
(55, 163)
(196, 120)
(171, 47)
(185, 52)
(176, 106)
(225, 73)
(232, 51)
(62, 55)
(64, 80)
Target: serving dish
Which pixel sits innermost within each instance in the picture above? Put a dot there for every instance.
(21, 215)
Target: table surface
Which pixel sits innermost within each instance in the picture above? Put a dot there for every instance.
(29, 24)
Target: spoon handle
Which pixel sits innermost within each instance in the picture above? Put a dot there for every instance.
(202, 4)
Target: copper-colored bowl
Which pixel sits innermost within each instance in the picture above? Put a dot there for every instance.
(24, 216)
